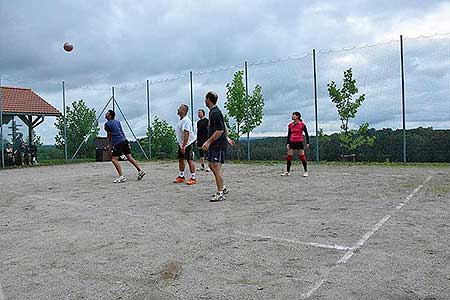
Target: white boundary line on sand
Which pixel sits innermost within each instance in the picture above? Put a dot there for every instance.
(364, 239)
(313, 244)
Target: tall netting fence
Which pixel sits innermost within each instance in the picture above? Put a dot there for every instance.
(287, 86)
(419, 131)
(166, 95)
(215, 80)
(376, 70)
(427, 97)
(131, 110)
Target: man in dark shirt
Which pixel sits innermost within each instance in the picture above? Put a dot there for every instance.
(216, 145)
(202, 136)
(120, 146)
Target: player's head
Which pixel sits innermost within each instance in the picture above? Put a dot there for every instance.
(183, 110)
(110, 115)
(211, 99)
(296, 116)
(201, 113)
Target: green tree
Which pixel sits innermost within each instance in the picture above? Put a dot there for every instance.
(79, 127)
(347, 107)
(247, 115)
(163, 138)
(36, 139)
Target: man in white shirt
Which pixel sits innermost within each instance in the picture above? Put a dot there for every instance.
(186, 139)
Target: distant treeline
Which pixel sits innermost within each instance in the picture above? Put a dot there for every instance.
(423, 145)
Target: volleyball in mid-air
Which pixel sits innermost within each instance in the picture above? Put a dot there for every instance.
(68, 46)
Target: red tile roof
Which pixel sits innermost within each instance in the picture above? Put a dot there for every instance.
(25, 102)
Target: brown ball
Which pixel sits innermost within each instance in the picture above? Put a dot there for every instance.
(68, 46)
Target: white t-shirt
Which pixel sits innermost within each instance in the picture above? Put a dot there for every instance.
(185, 124)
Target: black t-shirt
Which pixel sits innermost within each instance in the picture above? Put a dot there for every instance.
(216, 122)
(202, 131)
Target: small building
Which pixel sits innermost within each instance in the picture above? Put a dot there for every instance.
(27, 106)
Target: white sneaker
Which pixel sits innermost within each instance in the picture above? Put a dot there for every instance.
(305, 174)
(120, 179)
(225, 190)
(219, 196)
(200, 169)
(141, 174)
(208, 170)
(286, 174)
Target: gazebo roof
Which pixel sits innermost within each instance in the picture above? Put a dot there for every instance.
(21, 101)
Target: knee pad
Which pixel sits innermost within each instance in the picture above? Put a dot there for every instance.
(289, 158)
(302, 157)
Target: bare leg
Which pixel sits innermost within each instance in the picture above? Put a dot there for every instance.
(115, 161)
(133, 162)
(202, 161)
(181, 165)
(216, 168)
(191, 166)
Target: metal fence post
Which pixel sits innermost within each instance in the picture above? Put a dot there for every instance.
(113, 103)
(149, 122)
(247, 112)
(403, 98)
(65, 121)
(192, 98)
(315, 106)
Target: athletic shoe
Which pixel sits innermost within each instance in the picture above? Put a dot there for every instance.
(200, 169)
(141, 174)
(179, 179)
(191, 181)
(120, 179)
(305, 174)
(219, 196)
(286, 174)
(208, 170)
(225, 190)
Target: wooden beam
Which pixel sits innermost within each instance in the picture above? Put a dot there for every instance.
(25, 120)
(38, 121)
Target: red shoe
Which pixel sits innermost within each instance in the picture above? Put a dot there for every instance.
(179, 179)
(191, 181)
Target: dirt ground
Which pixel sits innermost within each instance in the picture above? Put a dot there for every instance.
(345, 232)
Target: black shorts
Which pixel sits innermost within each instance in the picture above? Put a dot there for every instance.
(296, 145)
(188, 154)
(216, 155)
(121, 148)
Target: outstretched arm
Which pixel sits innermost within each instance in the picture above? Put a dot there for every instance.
(230, 141)
(306, 135)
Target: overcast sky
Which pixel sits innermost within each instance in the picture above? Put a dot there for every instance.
(124, 43)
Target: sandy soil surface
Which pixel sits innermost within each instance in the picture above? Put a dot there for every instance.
(345, 232)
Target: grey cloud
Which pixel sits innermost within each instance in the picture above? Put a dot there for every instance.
(123, 43)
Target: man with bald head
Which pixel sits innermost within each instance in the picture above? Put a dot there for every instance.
(185, 139)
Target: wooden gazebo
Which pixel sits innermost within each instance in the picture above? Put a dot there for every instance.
(26, 105)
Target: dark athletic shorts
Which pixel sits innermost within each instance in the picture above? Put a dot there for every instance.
(188, 154)
(296, 145)
(216, 155)
(122, 148)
